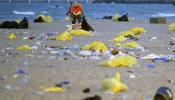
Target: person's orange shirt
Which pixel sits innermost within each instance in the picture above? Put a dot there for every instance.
(76, 9)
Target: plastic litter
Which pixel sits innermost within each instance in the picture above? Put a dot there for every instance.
(114, 84)
(53, 89)
(121, 61)
(65, 36)
(171, 27)
(150, 56)
(96, 46)
(85, 53)
(138, 30)
(120, 39)
(150, 65)
(163, 93)
(24, 48)
(11, 36)
(152, 38)
(23, 72)
(132, 44)
(80, 32)
(126, 33)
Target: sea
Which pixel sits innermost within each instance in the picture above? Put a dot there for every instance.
(12, 11)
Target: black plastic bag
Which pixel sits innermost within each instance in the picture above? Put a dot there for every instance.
(86, 26)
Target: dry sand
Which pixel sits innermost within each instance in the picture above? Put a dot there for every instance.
(84, 73)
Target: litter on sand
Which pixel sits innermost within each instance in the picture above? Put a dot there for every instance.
(171, 27)
(96, 46)
(121, 61)
(24, 48)
(114, 84)
(132, 44)
(52, 89)
(80, 32)
(65, 36)
(138, 30)
(11, 36)
(120, 38)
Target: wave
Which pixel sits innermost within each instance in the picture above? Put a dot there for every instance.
(164, 15)
(23, 13)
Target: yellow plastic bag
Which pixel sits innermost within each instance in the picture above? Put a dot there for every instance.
(115, 17)
(171, 27)
(47, 19)
(120, 39)
(80, 32)
(96, 45)
(52, 38)
(65, 36)
(125, 33)
(24, 48)
(132, 44)
(114, 84)
(122, 61)
(11, 36)
(118, 45)
(138, 30)
(53, 89)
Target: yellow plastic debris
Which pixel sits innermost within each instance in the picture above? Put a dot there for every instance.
(80, 32)
(52, 38)
(24, 48)
(96, 45)
(11, 36)
(120, 39)
(132, 44)
(47, 19)
(65, 36)
(171, 27)
(114, 84)
(53, 89)
(122, 61)
(138, 30)
(115, 17)
(118, 45)
(125, 33)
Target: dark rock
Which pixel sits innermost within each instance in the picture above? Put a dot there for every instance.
(95, 97)
(39, 20)
(123, 18)
(86, 90)
(107, 17)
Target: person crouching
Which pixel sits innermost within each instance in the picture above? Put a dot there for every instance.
(76, 14)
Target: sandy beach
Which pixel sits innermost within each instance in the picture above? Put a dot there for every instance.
(45, 69)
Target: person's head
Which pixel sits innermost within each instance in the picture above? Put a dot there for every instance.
(75, 3)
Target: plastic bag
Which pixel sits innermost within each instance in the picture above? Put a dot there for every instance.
(171, 27)
(132, 44)
(122, 61)
(114, 84)
(125, 33)
(47, 19)
(138, 30)
(11, 36)
(65, 36)
(80, 32)
(53, 89)
(120, 39)
(24, 48)
(96, 45)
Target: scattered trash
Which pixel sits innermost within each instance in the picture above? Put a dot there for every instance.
(11, 36)
(120, 39)
(132, 44)
(79, 32)
(150, 65)
(171, 27)
(95, 97)
(23, 72)
(96, 45)
(24, 48)
(152, 38)
(65, 36)
(163, 93)
(132, 76)
(86, 90)
(114, 84)
(121, 61)
(52, 89)
(61, 84)
(138, 30)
